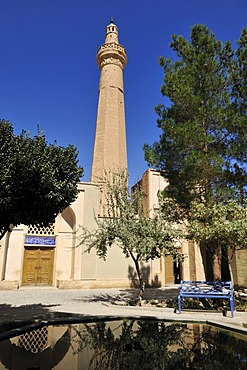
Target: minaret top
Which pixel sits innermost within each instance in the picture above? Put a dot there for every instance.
(111, 52)
(111, 33)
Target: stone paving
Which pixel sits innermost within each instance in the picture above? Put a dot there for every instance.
(32, 302)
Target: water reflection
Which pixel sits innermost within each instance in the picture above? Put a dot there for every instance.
(129, 344)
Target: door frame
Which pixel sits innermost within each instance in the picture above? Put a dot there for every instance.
(41, 248)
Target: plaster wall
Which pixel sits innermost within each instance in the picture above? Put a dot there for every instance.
(14, 259)
(200, 272)
(239, 268)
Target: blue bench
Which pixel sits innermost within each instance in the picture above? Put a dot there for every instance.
(206, 289)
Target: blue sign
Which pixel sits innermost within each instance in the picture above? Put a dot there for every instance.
(40, 240)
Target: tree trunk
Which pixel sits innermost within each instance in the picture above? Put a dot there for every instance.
(141, 282)
(217, 257)
(230, 256)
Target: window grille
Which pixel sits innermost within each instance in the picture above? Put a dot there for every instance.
(34, 341)
(41, 230)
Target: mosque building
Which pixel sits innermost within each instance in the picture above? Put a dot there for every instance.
(52, 256)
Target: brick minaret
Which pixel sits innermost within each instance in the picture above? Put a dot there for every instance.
(110, 138)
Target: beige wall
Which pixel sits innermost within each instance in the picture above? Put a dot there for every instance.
(238, 265)
(73, 268)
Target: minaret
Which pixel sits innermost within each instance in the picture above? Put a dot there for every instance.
(110, 153)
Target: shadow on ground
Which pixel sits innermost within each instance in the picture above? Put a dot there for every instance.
(23, 313)
(129, 295)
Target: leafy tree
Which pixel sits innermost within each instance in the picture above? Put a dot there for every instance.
(37, 180)
(125, 224)
(226, 222)
(202, 148)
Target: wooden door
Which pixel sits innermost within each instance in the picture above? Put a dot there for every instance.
(169, 270)
(38, 266)
(45, 266)
(30, 266)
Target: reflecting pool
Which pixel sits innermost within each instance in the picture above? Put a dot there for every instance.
(123, 345)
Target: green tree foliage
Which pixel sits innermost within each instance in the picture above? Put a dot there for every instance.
(126, 225)
(222, 226)
(202, 148)
(37, 180)
(225, 222)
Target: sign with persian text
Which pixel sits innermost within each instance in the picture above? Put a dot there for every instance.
(40, 240)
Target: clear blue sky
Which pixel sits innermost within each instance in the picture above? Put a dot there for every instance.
(48, 71)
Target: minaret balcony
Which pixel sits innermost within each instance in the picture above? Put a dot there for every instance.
(111, 53)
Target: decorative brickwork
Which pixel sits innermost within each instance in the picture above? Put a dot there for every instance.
(110, 152)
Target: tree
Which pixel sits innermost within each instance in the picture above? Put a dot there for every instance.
(202, 148)
(224, 222)
(37, 180)
(125, 225)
